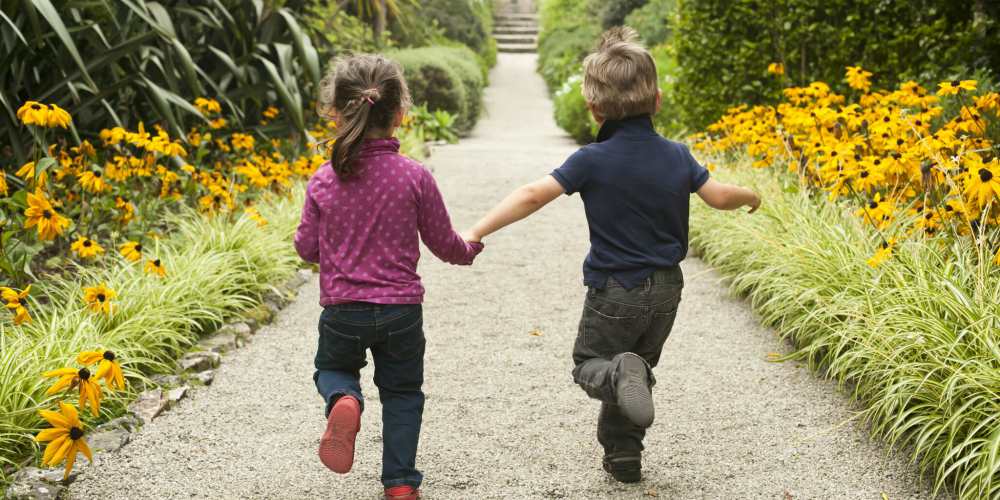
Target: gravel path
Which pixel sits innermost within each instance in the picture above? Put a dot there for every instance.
(503, 418)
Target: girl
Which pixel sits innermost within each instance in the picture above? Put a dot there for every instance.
(363, 212)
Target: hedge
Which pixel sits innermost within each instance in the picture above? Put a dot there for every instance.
(725, 46)
(445, 78)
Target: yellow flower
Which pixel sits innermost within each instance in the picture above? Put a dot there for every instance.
(207, 106)
(58, 117)
(82, 378)
(271, 112)
(65, 438)
(776, 68)
(113, 136)
(27, 171)
(86, 247)
(858, 78)
(883, 254)
(15, 302)
(155, 266)
(108, 369)
(41, 214)
(242, 142)
(955, 86)
(93, 181)
(996, 260)
(217, 123)
(254, 214)
(98, 298)
(132, 250)
(34, 113)
(3, 183)
(982, 184)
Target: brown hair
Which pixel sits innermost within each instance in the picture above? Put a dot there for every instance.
(367, 91)
(619, 78)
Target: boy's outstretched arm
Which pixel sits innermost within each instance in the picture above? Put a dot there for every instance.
(523, 202)
(728, 197)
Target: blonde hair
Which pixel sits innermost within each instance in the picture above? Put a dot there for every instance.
(619, 78)
(367, 91)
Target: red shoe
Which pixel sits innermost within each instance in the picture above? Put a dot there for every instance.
(336, 448)
(404, 492)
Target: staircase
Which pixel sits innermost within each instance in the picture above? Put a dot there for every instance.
(516, 28)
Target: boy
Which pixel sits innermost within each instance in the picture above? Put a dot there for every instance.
(636, 188)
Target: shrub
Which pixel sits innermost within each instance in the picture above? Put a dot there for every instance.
(614, 12)
(569, 30)
(469, 22)
(654, 21)
(571, 111)
(724, 46)
(445, 78)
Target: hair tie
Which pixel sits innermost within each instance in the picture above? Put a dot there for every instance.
(370, 101)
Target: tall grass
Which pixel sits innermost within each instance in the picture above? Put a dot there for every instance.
(915, 340)
(216, 268)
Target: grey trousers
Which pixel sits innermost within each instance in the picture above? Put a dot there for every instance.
(617, 321)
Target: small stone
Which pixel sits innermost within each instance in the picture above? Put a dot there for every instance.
(127, 422)
(36, 484)
(164, 380)
(306, 275)
(275, 296)
(260, 314)
(176, 395)
(239, 329)
(272, 307)
(108, 439)
(149, 405)
(206, 377)
(218, 342)
(199, 361)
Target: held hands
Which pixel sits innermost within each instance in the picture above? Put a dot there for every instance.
(471, 237)
(754, 202)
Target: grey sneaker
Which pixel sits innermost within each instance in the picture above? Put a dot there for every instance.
(632, 390)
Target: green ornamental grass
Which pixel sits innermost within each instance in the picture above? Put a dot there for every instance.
(216, 267)
(914, 340)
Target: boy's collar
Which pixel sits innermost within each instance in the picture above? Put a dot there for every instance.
(638, 123)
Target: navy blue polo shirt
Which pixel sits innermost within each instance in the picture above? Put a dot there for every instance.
(636, 188)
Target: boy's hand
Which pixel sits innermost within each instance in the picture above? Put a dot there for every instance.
(754, 203)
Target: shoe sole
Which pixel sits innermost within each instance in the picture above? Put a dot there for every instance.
(628, 475)
(634, 396)
(336, 448)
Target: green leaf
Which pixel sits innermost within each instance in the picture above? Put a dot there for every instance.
(50, 14)
(292, 106)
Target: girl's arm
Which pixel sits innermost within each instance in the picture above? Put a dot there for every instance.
(523, 202)
(436, 231)
(307, 235)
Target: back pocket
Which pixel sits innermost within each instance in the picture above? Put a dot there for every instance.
(338, 351)
(408, 342)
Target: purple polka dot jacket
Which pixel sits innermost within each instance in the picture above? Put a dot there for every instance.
(365, 232)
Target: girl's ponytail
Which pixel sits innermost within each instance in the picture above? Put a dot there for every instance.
(366, 92)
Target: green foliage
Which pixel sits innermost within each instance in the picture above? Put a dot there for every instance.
(654, 21)
(569, 31)
(614, 12)
(467, 21)
(571, 111)
(914, 340)
(666, 68)
(337, 32)
(121, 62)
(445, 78)
(724, 46)
(433, 125)
(216, 268)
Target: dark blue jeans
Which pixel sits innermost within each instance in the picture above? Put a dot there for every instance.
(395, 335)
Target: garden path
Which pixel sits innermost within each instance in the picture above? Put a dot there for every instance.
(503, 418)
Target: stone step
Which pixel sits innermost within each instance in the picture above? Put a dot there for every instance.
(515, 25)
(528, 30)
(517, 48)
(518, 16)
(514, 39)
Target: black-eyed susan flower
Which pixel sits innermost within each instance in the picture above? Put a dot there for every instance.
(112, 136)
(982, 183)
(58, 117)
(859, 79)
(109, 369)
(955, 86)
(65, 438)
(82, 379)
(33, 113)
(86, 248)
(996, 260)
(217, 123)
(3, 183)
(207, 106)
(93, 181)
(42, 215)
(27, 171)
(15, 301)
(98, 298)
(132, 251)
(776, 68)
(242, 142)
(883, 254)
(155, 266)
